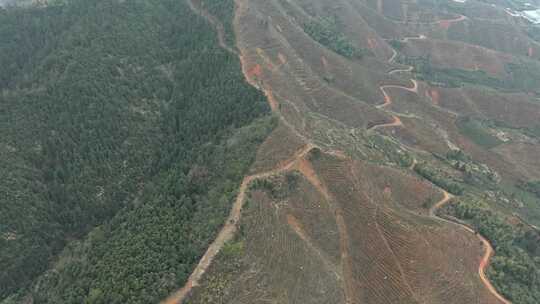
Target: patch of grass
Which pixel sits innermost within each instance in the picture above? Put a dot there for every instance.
(446, 77)
(325, 30)
(531, 203)
(476, 131)
(522, 76)
(532, 131)
(391, 151)
(276, 187)
(532, 186)
(233, 249)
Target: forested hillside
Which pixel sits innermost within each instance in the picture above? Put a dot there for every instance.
(124, 133)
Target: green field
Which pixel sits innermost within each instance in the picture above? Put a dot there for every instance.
(476, 131)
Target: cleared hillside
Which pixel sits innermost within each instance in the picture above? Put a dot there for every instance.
(339, 77)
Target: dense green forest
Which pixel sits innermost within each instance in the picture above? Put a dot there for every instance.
(515, 269)
(224, 11)
(478, 131)
(437, 177)
(124, 133)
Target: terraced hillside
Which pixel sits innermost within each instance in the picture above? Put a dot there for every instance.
(402, 104)
(302, 242)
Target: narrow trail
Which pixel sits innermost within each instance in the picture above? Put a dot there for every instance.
(488, 253)
(447, 21)
(394, 53)
(450, 21)
(396, 122)
(388, 99)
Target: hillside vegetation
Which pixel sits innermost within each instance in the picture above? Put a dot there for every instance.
(124, 133)
(325, 30)
(523, 75)
(515, 270)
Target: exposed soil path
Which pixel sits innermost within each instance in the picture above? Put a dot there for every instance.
(446, 198)
(407, 70)
(394, 55)
(395, 123)
(388, 99)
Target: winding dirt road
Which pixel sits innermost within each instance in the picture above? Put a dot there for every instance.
(229, 229)
(396, 121)
(488, 253)
(388, 99)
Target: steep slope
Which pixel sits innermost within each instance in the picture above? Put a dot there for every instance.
(337, 235)
(368, 251)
